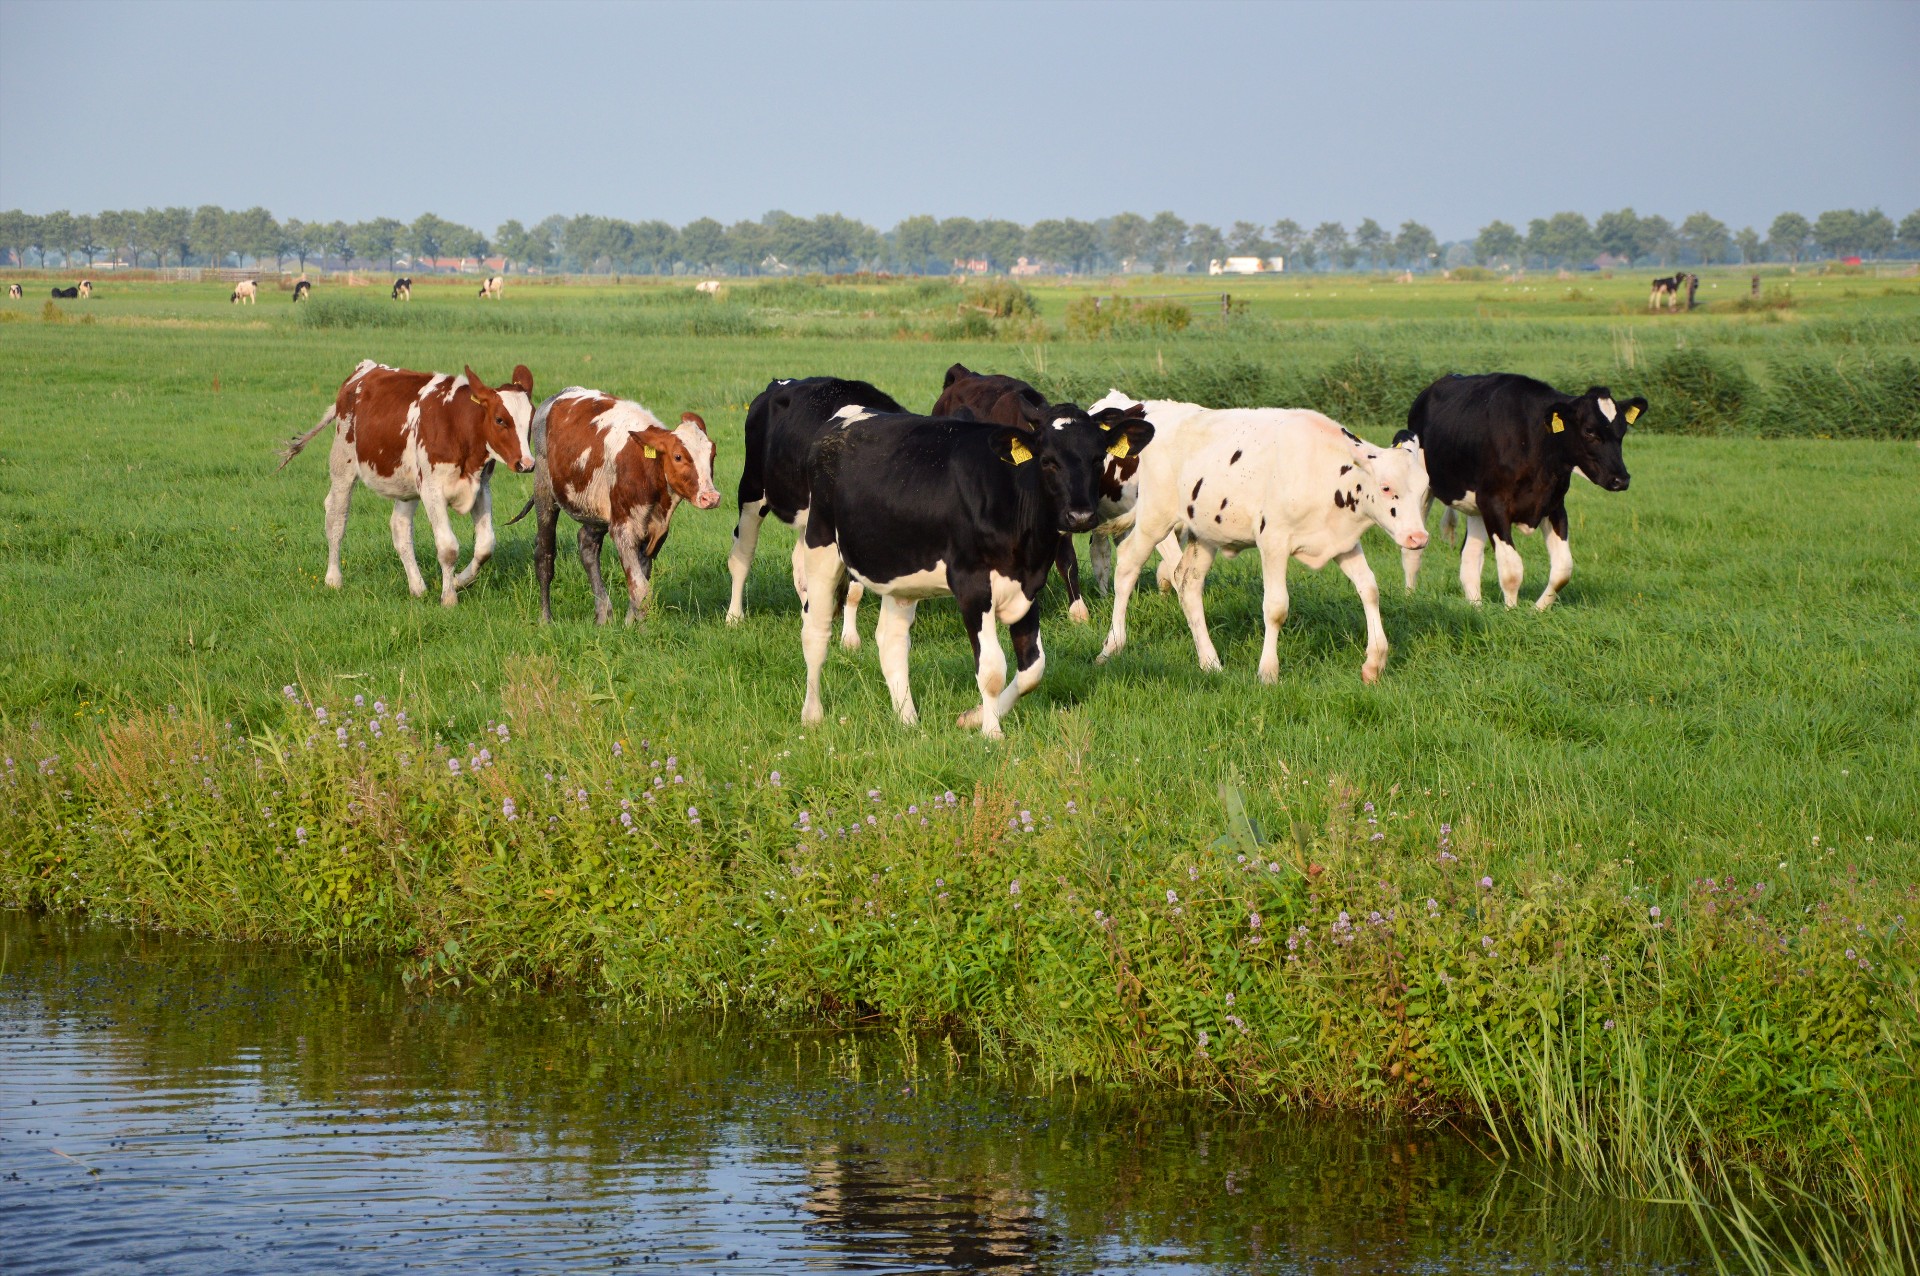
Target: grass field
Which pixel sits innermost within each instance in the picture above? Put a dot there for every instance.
(1728, 689)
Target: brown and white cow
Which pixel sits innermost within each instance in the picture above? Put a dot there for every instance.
(246, 292)
(611, 465)
(423, 439)
(492, 287)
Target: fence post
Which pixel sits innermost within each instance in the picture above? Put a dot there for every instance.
(1226, 306)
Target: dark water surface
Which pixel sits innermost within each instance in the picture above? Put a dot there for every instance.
(175, 1105)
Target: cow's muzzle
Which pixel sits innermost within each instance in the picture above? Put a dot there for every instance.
(525, 466)
(1081, 520)
(1618, 484)
(1414, 540)
(707, 499)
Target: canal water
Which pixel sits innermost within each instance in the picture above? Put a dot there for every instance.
(177, 1105)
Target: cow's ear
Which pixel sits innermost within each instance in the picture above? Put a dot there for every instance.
(1558, 415)
(1108, 418)
(1010, 445)
(523, 378)
(1130, 434)
(476, 388)
(1034, 414)
(1632, 409)
(696, 418)
(958, 372)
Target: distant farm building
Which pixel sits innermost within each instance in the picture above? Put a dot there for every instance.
(1247, 266)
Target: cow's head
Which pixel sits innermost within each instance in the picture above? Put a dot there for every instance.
(1393, 486)
(691, 475)
(506, 413)
(1070, 449)
(1591, 429)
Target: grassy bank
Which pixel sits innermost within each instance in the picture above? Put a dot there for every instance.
(1723, 698)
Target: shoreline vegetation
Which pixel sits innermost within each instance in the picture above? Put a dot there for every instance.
(1629, 885)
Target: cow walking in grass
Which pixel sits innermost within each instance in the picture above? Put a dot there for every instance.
(612, 466)
(1289, 482)
(423, 439)
(916, 507)
(1502, 449)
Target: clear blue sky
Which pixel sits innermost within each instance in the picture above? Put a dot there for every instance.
(1452, 114)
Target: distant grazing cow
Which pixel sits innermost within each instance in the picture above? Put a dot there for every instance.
(14, 291)
(423, 439)
(301, 290)
(1287, 481)
(1666, 289)
(491, 287)
(247, 291)
(67, 294)
(86, 287)
(611, 465)
(916, 507)
(782, 423)
(709, 286)
(403, 288)
(1502, 449)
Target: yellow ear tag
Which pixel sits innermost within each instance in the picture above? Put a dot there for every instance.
(476, 398)
(1020, 453)
(648, 452)
(1559, 426)
(1633, 414)
(1122, 448)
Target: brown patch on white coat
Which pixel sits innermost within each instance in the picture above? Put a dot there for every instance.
(616, 469)
(423, 439)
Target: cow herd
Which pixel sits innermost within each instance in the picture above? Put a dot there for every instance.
(980, 499)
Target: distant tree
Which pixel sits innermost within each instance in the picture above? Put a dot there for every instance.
(1065, 241)
(1165, 237)
(318, 240)
(377, 239)
(1126, 237)
(703, 243)
(126, 229)
(169, 230)
(15, 229)
(1618, 234)
(1204, 244)
(656, 244)
(210, 233)
(337, 239)
(1707, 236)
(1497, 243)
(56, 232)
(86, 237)
(915, 242)
(254, 233)
(1247, 239)
(423, 239)
(1415, 245)
(1658, 239)
(1305, 257)
(748, 245)
(1875, 233)
(1788, 235)
(957, 239)
(1330, 242)
(1560, 239)
(1287, 238)
(1372, 240)
(1910, 235)
(1749, 243)
(1837, 231)
(1001, 242)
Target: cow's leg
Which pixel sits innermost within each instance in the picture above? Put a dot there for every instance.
(1195, 563)
(1029, 659)
(989, 661)
(893, 635)
(825, 574)
(1066, 560)
(1507, 562)
(340, 480)
(445, 544)
(482, 536)
(1274, 605)
(849, 632)
(546, 528)
(593, 544)
(400, 522)
(1559, 560)
(638, 565)
(1128, 560)
(800, 563)
(1410, 558)
(746, 536)
(1100, 558)
(1167, 575)
(1354, 564)
(1473, 557)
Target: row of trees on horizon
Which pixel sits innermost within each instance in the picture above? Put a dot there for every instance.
(213, 236)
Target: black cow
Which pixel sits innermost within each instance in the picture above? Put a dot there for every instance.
(916, 507)
(1502, 449)
(1011, 401)
(301, 290)
(403, 288)
(67, 294)
(782, 423)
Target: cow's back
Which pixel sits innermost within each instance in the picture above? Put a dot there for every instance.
(784, 422)
(1477, 429)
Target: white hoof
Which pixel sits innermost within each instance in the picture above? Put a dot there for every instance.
(1078, 612)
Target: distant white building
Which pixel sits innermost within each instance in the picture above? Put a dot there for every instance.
(1247, 266)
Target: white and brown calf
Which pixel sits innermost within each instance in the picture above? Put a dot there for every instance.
(246, 292)
(1286, 481)
(617, 470)
(423, 439)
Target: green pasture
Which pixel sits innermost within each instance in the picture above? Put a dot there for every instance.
(1733, 674)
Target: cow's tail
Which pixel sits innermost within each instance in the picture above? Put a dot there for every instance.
(522, 514)
(293, 447)
(537, 438)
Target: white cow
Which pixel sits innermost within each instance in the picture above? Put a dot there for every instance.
(709, 286)
(1287, 481)
(492, 287)
(246, 292)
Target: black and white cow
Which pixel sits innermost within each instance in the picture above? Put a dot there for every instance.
(403, 288)
(14, 291)
(1502, 449)
(782, 423)
(1666, 289)
(302, 289)
(916, 507)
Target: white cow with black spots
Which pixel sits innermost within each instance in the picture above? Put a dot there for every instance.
(1286, 481)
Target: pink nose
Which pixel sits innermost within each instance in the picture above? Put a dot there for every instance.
(1415, 540)
(707, 500)
(525, 467)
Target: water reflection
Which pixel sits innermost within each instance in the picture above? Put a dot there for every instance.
(224, 1108)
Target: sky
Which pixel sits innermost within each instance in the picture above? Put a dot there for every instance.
(1451, 114)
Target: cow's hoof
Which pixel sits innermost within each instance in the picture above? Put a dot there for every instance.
(1209, 664)
(1543, 604)
(734, 619)
(449, 600)
(850, 640)
(1370, 674)
(968, 720)
(909, 717)
(811, 715)
(1270, 674)
(1078, 612)
(333, 581)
